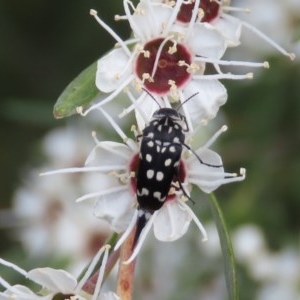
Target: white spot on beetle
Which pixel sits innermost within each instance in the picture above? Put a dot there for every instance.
(150, 174)
(159, 176)
(168, 162)
(150, 144)
(172, 149)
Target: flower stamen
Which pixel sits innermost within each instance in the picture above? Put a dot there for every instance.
(225, 76)
(88, 273)
(94, 13)
(101, 193)
(264, 64)
(127, 231)
(262, 36)
(196, 220)
(141, 239)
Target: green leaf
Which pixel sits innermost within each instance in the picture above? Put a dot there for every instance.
(227, 250)
(80, 92)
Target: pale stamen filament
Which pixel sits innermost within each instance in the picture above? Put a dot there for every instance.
(173, 220)
(91, 268)
(224, 76)
(135, 106)
(107, 147)
(195, 15)
(130, 143)
(134, 27)
(215, 137)
(127, 231)
(15, 291)
(113, 124)
(128, 63)
(264, 64)
(102, 193)
(173, 17)
(110, 31)
(101, 272)
(158, 54)
(130, 41)
(141, 239)
(236, 9)
(13, 266)
(218, 182)
(194, 217)
(84, 170)
(211, 174)
(262, 36)
(107, 99)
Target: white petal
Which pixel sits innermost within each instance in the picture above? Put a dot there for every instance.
(109, 153)
(54, 280)
(206, 41)
(145, 111)
(112, 70)
(22, 292)
(230, 28)
(150, 23)
(116, 208)
(206, 177)
(171, 222)
(205, 105)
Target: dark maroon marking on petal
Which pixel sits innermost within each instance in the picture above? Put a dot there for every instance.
(167, 68)
(210, 8)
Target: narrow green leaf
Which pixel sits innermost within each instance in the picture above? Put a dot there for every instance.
(227, 250)
(80, 92)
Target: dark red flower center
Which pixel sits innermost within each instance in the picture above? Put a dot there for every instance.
(133, 167)
(211, 10)
(167, 67)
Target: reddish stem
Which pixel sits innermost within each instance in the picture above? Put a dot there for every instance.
(126, 271)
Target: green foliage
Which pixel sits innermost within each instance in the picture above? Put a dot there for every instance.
(227, 250)
(80, 92)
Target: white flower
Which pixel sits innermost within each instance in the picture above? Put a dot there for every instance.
(56, 282)
(42, 210)
(167, 60)
(216, 14)
(116, 200)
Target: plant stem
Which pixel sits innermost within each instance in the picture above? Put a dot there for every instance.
(89, 286)
(126, 271)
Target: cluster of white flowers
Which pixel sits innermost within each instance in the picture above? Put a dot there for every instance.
(277, 272)
(173, 59)
(56, 283)
(41, 207)
(172, 45)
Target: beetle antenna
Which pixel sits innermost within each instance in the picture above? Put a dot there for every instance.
(199, 159)
(152, 97)
(186, 100)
